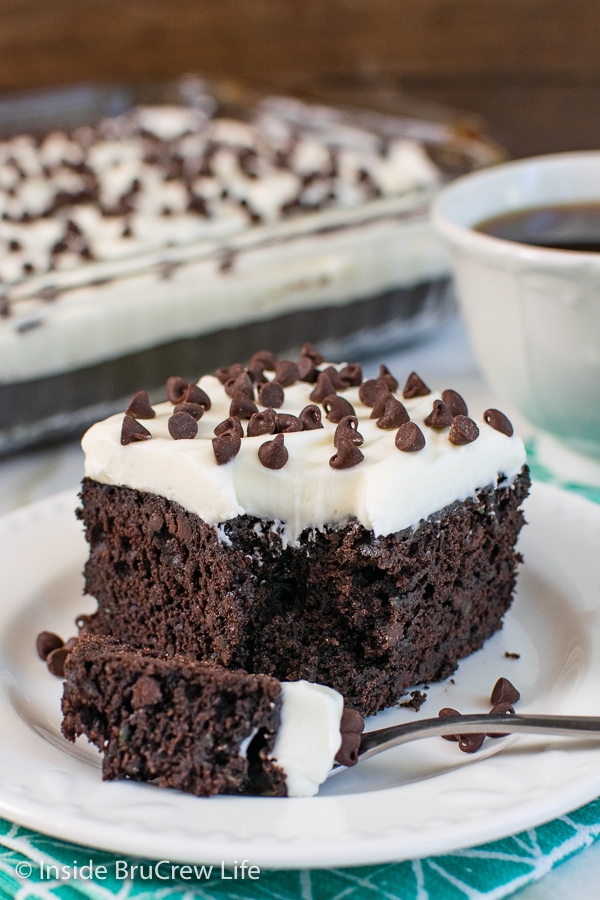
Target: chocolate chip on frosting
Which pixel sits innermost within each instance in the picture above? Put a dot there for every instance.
(463, 430)
(371, 390)
(323, 388)
(286, 372)
(455, 403)
(388, 379)
(132, 430)
(337, 407)
(335, 378)
(310, 417)
(351, 374)
(242, 406)
(264, 358)
(394, 415)
(194, 394)
(232, 425)
(347, 456)
(504, 691)
(440, 416)
(226, 373)
(312, 353)
(307, 370)
(176, 388)
(347, 430)
(286, 423)
(264, 422)
(352, 726)
(273, 454)
(409, 438)
(498, 421)
(256, 373)
(192, 409)
(414, 387)
(271, 394)
(226, 447)
(140, 406)
(182, 426)
(240, 384)
(381, 402)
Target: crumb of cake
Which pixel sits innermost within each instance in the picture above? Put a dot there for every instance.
(508, 655)
(415, 701)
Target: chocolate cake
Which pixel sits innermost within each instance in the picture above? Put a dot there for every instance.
(200, 728)
(328, 529)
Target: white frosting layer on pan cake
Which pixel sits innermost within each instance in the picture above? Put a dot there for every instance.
(387, 491)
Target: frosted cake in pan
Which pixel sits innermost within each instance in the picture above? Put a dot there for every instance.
(168, 233)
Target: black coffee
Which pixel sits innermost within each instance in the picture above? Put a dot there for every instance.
(573, 226)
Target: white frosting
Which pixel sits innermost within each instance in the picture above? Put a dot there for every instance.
(388, 491)
(309, 735)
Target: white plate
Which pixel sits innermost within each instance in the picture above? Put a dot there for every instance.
(416, 800)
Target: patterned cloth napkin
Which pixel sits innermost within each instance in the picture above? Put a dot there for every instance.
(36, 866)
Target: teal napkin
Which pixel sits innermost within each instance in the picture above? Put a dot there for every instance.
(36, 866)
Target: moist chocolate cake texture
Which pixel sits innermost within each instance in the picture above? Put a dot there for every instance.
(353, 535)
(178, 723)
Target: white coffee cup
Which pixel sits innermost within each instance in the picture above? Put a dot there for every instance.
(533, 313)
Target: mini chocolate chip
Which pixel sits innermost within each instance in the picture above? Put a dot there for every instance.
(310, 418)
(140, 407)
(337, 408)
(192, 409)
(56, 660)
(335, 378)
(132, 430)
(273, 454)
(352, 722)
(448, 711)
(463, 430)
(370, 391)
(287, 423)
(146, 692)
(347, 755)
(232, 425)
(241, 384)
(226, 373)
(351, 374)
(242, 406)
(262, 423)
(271, 394)
(409, 438)
(176, 388)
(455, 403)
(71, 643)
(440, 416)
(504, 691)
(264, 358)
(414, 387)
(501, 709)
(256, 373)
(46, 642)
(498, 421)
(347, 430)
(387, 378)
(226, 447)
(381, 403)
(312, 353)
(286, 372)
(182, 426)
(470, 743)
(194, 394)
(347, 456)
(323, 388)
(395, 414)
(307, 371)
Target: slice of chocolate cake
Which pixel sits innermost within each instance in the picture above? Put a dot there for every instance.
(290, 518)
(203, 729)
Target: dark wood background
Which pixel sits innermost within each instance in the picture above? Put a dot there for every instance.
(531, 68)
